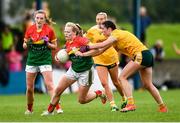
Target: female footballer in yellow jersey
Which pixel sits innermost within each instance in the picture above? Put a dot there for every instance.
(142, 61)
(107, 62)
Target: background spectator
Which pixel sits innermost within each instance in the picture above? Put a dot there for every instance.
(7, 38)
(45, 7)
(27, 20)
(4, 73)
(14, 59)
(145, 22)
(158, 51)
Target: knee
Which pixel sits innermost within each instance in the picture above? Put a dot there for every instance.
(82, 101)
(50, 87)
(104, 84)
(116, 83)
(122, 78)
(30, 90)
(147, 86)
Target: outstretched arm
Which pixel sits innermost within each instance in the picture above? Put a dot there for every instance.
(108, 42)
(176, 49)
(93, 52)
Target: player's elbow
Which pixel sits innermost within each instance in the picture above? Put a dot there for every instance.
(55, 47)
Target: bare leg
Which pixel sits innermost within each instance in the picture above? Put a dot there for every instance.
(86, 96)
(114, 76)
(30, 78)
(50, 86)
(146, 76)
(103, 76)
(128, 70)
(62, 85)
(48, 81)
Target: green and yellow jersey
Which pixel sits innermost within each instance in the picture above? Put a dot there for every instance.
(79, 64)
(38, 52)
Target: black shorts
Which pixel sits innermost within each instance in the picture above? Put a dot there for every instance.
(144, 58)
(108, 66)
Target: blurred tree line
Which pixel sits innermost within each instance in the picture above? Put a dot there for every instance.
(163, 10)
(85, 10)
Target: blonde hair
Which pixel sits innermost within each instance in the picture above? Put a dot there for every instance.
(159, 42)
(48, 20)
(102, 13)
(143, 10)
(75, 28)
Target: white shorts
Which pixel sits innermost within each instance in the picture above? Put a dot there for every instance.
(35, 69)
(83, 78)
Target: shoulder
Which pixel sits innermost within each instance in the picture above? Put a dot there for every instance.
(80, 39)
(94, 27)
(119, 31)
(116, 32)
(48, 27)
(31, 28)
(119, 34)
(91, 30)
(94, 32)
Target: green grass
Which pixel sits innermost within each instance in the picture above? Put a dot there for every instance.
(12, 109)
(169, 33)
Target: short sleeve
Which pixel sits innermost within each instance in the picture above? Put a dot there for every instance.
(84, 41)
(27, 33)
(95, 35)
(52, 36)
(115, 34)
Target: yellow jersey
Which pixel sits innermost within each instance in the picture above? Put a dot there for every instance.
(127, 43)
(108, 57)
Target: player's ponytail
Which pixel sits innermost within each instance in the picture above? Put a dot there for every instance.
(49, 21)
(80, 31)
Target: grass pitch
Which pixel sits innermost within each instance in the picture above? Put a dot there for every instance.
(12, 109)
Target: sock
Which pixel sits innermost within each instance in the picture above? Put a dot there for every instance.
(51, 108)
(30, 107)
(130, 100)
(161, 105)
(123, 98)
(58, 106)
(112, 104)
(98, 93)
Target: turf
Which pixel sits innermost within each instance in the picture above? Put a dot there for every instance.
(12, 109)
